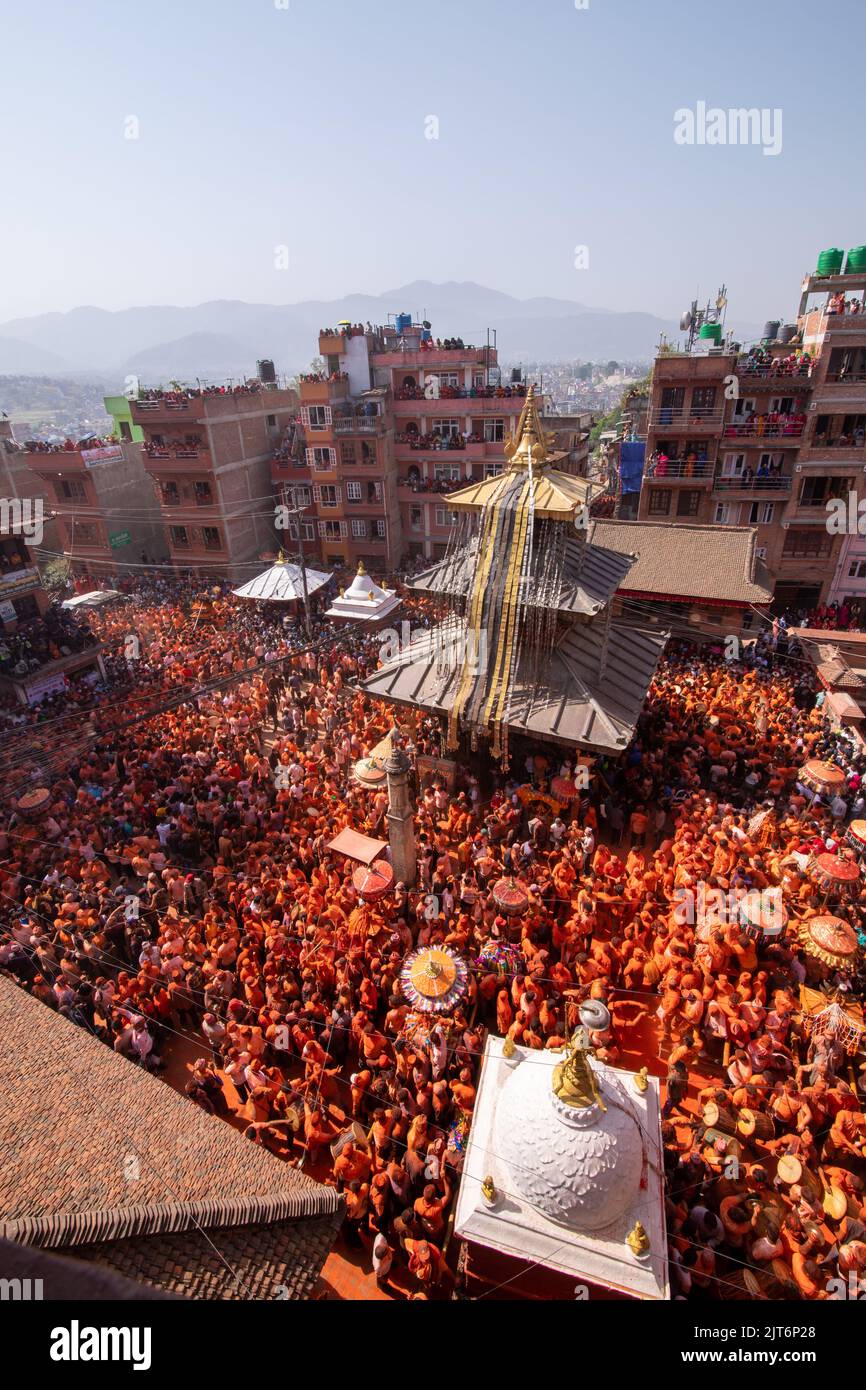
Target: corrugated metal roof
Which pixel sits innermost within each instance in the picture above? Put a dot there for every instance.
(557, 495)
(571, 704)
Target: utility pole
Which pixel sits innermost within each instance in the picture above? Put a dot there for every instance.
(296, 511)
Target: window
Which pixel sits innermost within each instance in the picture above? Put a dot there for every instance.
(417, 519)
(703, 399)
(309, 530)
(368, 453)
(807, 544)
(211, 537)
(332, 530)
(328, 495)
(125, 430)
(447, 472)
(743, 406)
(322, 459)
(492, 470)
(727, 513)
(359, 530)
(170, 494)
(688, 503)
(353, 492)
(298, 496)
(447, 428)
(71, 490)
(761, 513)
(347, 453)
(659, 502)
(272, 420)
(379, 530)
(445, 518)
(85, 533)
(203, 494)
(672, 401)
(316, 417)
(478, 380)
(857, 570)
(179, 537)
(733, 465)
(494, 431)
(374, 491)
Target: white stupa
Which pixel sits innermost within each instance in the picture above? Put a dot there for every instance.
(562, 1163)
(364, 601)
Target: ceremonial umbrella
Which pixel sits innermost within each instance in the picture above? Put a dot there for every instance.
(31, 803)
(855, 835)
(822, 778)
(372, 881)
(829, 940)
(763, 914)
(563, 789)
(434, 979)
(835, 875)
(510, 896)
(502, 958)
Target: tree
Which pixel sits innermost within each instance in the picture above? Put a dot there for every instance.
(611, 368)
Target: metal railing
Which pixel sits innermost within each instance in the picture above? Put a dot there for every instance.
(668, 470)
(754, 484)
(755, 429)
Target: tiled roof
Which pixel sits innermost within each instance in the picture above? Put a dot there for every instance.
(96, 1150)
(689, 561)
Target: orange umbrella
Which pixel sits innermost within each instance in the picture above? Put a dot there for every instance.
(510, 896)
(856, 835)
(832, 873)
(821, 777)
(829, 940)
(563, 789)
(372, 881)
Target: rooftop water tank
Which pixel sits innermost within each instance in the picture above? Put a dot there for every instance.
(404, 321)
(711, 332)
(856, 263)
(771, 330)
(266, 370)
(830, 262)
(787, 332)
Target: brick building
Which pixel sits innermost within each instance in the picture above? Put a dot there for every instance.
(208, 454)
(396, 421)
(760, 439)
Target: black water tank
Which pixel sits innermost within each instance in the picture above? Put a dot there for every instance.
(787, 332)
(516, 374)
(266, 371)
(771, 328)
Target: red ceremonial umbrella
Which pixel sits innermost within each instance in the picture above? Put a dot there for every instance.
(835, 875)
(821, 778)
(856, 835)
(372, 881)
(510, 896)
(563, 789)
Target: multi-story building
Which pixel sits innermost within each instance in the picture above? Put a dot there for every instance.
(208, 453)
(103, 503)
(395, 423)
(767, 438)
(18, 482)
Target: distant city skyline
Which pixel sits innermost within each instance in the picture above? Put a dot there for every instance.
(289, 150)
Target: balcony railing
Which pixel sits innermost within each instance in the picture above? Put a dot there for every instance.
(673, 470)
(754, 484)
(678, 417)
(358, 424)
(763, 429)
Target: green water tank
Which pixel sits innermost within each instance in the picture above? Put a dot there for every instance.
(830, 262)
(856, 263)
(711, 332)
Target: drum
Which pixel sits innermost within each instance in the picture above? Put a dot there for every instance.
(754, 1124)
(789, 1169)
(717, 1117)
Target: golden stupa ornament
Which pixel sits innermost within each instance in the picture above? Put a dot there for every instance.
(574, 1081)
(488, 1190)
(638, 1241)
(361, 567)
(508, 1047)
(640, 1080)
(529, 439)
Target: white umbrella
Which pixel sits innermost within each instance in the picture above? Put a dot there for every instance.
(282, 583)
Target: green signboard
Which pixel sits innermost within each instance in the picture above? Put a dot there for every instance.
(118, 539)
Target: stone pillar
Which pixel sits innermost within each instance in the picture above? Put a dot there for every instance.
(401, 828)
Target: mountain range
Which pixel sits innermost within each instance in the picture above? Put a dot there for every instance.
(225, 337)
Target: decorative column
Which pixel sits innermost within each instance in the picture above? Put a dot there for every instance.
(401, 829)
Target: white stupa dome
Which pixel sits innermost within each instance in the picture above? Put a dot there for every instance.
(579, 1167)
(364, 600)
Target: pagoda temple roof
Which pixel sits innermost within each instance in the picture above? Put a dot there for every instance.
(567, 703)
(557, 495)
(591, 576)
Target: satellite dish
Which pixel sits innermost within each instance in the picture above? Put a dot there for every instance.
(426, 324)
(685, 321)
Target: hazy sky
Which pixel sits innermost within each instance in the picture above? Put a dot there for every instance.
(302, 123)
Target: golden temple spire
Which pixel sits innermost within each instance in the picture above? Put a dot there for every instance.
(574, 1081)
(361, 567)
(529, 435)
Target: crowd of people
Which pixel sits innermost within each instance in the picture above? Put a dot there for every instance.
(178, 885)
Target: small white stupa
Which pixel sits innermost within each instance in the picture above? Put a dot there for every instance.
(563, 1169)
(363, 601)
